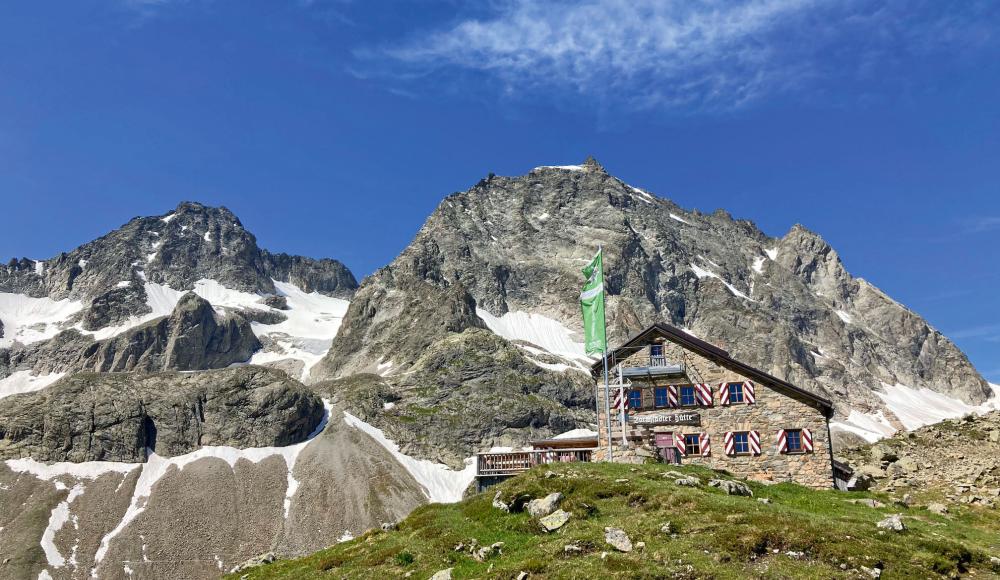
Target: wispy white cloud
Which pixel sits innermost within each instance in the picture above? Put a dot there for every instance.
(678, 53)
(982, 224)
(987, 332)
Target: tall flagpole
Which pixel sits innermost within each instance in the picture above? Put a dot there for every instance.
(607, 390)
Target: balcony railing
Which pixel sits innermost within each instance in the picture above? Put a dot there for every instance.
(657, 365)
(514, 462)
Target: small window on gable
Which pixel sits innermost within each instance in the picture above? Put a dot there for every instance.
(660, 397)
(692, 444)
(793, 439)
(688, 397)
(736, 392)
(741, 443)
(656, 350)
(635, 399)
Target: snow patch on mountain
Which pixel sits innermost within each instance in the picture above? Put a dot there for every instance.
(679, 219)
(27, 320)
(441, 484)
(563, 167)
(537, 329)
(57, 519)
(914, 408)
(82, 470)
(313, 322)
(918, 407)
(703, 273)
(869, 426)
(26, 382)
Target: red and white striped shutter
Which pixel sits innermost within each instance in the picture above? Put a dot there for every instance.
(723, 393)
(679, 444)
(730, 444)
(748, 393)
(782, 442)
(753, 437)
(706, 445)
(807, 440)
(672, 395)
(703, 393)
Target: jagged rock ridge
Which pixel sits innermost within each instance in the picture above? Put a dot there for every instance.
(191, 243)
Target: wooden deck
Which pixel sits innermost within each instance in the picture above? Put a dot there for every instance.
(514, 462)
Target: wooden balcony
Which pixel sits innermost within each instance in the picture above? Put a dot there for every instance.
(514, 462)
(657, 366)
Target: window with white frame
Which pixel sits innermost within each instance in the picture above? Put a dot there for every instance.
(736, 392)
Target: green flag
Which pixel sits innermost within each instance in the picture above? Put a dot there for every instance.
(592, 303)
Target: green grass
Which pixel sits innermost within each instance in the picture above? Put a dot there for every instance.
(802, 533)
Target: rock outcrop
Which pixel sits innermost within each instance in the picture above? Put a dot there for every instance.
(117, 417)
(193, 337)
(467, 392)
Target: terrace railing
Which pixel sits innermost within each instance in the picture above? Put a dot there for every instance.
(514, 462)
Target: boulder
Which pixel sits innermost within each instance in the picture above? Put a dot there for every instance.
(542, 507)
(893, 523)
(882, 453)
(260, 560)
(617, 539)
(486, 552)
(869, 502)
(731, 487)
(499, 504)
(554, 521)
(937, 508)
(442, 574)
(688, 481)
(908, 465)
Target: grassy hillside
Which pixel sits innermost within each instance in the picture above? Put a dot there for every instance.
(801, 533)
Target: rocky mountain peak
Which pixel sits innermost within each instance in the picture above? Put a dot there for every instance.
(174, 250)
(787, 306)
(591, 164)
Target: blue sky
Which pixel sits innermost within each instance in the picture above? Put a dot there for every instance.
(333, 128)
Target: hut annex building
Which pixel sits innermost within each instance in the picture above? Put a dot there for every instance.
(688, 401)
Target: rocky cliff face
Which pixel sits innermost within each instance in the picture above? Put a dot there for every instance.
(786, 305)
(118, 417)
(466, 393)
(194, 337)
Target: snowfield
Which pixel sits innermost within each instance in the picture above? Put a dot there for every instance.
(539, 330)
(914, 408)
(25, 382)
(27, 320)
(312, 323)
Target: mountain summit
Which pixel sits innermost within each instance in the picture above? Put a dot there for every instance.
(514, 246)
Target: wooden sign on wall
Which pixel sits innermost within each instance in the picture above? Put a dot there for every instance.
(665, 419)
